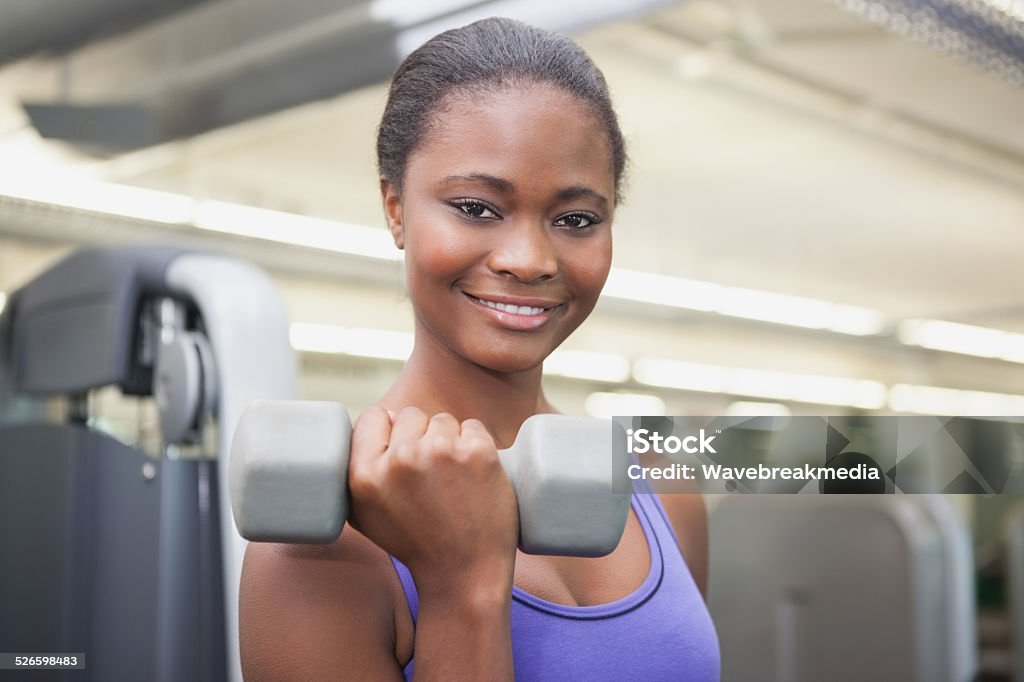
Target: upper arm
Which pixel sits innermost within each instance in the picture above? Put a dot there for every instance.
(689, 518)
(309, 612)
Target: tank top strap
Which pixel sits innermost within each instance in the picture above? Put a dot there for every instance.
(408, 586)
(645, 496)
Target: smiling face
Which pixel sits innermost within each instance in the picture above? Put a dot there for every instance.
(505, 216)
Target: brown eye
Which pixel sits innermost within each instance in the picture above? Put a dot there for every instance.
(475, 209)
(576, 221)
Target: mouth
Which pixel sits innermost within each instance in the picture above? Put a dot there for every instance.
(519, 314)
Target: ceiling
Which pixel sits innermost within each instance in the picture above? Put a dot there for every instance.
(779, 145)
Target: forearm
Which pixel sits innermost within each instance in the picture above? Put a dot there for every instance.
(463, 632)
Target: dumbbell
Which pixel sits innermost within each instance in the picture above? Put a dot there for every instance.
(289, 473)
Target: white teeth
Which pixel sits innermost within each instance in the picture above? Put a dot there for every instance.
(513, 309)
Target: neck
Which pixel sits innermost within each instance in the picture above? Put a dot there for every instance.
(436, 379)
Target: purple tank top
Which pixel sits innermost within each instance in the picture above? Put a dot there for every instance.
(662, 631)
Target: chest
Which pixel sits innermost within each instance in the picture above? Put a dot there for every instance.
(574, 581)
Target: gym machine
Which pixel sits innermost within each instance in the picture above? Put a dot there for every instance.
(842, 587)
(109, 551)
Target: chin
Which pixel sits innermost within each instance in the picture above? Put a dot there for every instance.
(509, 363)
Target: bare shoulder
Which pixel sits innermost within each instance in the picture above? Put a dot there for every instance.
(689, 518)
(319, 611)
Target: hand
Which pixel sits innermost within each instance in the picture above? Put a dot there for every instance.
(432, 492)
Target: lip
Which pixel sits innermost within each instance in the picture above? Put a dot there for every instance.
(512, 320)
(516, 300)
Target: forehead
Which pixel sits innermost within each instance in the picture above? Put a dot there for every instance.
(532, 135)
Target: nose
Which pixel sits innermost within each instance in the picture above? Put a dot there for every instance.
(525, 252)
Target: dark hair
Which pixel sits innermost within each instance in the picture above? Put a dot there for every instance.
(487, 54)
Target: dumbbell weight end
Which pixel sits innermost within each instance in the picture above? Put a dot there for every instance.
(289, 471)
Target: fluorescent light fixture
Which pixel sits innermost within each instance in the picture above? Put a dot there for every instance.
(778, 308)
(686, 376)
(749, 304)
(602, 404)
(676, 292)
(953, 337)
(581, 364)
(952, 401)
(750, 408)
(103, 197)
(213, 216)
(759, 383)
(855, 320)
(359, 342)
(798, 311)
(291, 228)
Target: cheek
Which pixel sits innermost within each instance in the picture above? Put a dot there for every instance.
(434, 249)
(590, 267)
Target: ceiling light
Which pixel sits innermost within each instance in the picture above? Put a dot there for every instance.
(603, 404)
(798, 311)
(759, 383)
(965, 339)
(749, 304)
(767, 306)
(300, 230)
(648, 287)
(366, 343)
(104, 197)
(750, 408)
(951, 401)
(580, 364)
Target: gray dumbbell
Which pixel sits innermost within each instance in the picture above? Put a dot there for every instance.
(289, 474)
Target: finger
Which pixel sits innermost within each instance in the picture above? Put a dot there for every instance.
(409, 427)
(370, 436)
(442, 426)
(474, 435)
(474, 428)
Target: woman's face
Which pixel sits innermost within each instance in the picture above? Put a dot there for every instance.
(505, 217)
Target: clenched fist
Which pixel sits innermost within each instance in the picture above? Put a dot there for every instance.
(432, 493)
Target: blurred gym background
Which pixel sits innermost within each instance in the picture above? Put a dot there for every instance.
(824, 210)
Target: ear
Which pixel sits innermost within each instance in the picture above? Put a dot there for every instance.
(393, 211)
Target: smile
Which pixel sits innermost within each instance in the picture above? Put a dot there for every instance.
(515, 316)
(513, 309)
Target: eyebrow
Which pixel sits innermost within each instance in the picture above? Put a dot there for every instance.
(578, 191)
(506, 187)
(495, 183)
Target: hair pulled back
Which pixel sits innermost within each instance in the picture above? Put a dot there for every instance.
(486, 55)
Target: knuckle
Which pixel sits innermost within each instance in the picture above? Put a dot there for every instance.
(437, 446)
(473, 425)
(410, 411)
(476, 450)
(403, 453)
(479, 445)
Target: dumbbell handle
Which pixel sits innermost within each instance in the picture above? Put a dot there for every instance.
(564, 487)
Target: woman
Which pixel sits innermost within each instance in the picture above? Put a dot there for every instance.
(501, 162)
